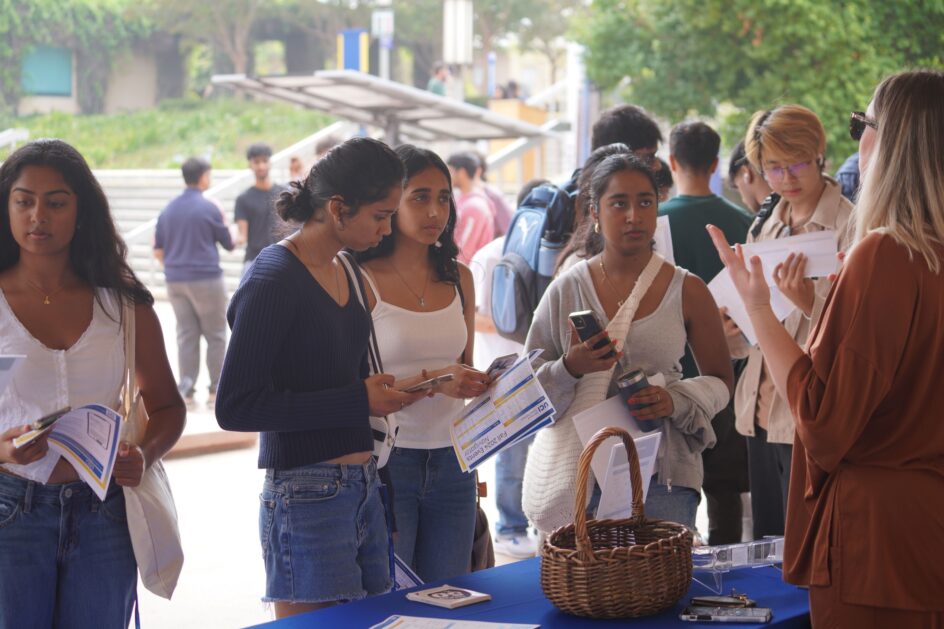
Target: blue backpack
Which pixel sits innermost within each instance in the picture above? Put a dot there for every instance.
(538, 231)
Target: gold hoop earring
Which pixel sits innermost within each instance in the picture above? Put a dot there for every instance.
(596, 227)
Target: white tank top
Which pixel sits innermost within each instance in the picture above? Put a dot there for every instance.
(91, 371)
(410, 342)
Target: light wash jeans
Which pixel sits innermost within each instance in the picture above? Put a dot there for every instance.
(324, 534)
(200, 308)
(509, 476)
(680, 504)
(65, 557)
(434, 503)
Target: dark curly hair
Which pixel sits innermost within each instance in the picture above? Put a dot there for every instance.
(359, 170)
(588, 243)
(443, 257)
(582, 202)
(97, 254)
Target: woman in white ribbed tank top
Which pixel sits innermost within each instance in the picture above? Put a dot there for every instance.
(422, 302)
(66, 556)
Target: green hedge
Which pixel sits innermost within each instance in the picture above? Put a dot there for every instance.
(220, 129)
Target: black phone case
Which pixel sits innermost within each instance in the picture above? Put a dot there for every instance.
(590, 327)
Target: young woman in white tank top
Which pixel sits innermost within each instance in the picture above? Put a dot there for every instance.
(423, 307)
(66, 556)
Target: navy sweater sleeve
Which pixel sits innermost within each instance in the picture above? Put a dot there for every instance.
(262, 318)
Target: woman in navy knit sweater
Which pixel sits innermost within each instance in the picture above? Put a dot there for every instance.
(296, 371)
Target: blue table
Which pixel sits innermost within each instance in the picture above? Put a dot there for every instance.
(517, 597)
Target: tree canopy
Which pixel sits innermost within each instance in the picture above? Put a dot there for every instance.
(683, 58)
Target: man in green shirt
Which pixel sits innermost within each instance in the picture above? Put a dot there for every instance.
(437, 82)
(693, 148)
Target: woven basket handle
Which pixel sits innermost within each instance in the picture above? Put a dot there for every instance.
(584, 547)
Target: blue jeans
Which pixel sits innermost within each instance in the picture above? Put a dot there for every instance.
(435, 509)
(678, 505)
(65, 557)
(509, 476)
(324, 534)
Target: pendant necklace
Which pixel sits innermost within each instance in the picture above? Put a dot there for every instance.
(46, 294)
(421, 297)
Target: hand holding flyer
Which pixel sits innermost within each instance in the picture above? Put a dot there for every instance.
(86, 437)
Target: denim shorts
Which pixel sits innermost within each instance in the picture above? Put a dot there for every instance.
(324, 534)
(65, 556)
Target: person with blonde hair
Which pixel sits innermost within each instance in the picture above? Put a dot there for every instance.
(864, 522)
(786, 145)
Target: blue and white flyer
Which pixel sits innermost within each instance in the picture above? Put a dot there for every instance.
(514, 407)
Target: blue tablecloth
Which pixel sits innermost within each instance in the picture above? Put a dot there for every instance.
(517, 597)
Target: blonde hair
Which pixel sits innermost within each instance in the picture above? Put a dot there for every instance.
(789, 131)
(903, 186)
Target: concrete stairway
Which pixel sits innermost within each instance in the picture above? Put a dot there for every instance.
(137, 196)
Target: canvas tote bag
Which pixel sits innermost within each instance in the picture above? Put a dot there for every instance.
(152, 515)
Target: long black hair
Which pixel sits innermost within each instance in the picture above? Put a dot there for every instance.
(588, 242)
(97, 254)
(359, 170)
(443, 254)
(582, 201)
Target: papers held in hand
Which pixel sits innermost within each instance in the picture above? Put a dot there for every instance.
(39, 427)
(448, 596)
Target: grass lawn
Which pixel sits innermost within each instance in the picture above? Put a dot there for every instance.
(219, 129)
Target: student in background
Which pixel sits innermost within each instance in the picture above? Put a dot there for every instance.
(475, 226)
(296, 371)
(185, 242)
(749, 183)
(423, 304)
(787, 144)
(255, 214)
(503, 211)
(65, 556)
(632, 126)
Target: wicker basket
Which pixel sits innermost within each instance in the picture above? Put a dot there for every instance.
(615, 568)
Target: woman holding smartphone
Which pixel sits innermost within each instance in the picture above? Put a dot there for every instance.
(650, 310)
(423, 304)
(66, 556)
(296, 371)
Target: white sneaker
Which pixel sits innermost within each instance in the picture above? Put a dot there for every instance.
(517, 546)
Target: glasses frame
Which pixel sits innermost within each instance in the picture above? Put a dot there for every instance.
(858, 121)
(769, 175)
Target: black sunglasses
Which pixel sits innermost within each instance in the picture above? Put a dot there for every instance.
(857, 123)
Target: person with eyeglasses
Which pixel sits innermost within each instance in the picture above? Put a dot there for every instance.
(787, 146)
(864, 520)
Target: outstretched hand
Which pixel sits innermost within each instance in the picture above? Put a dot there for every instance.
(748, 279)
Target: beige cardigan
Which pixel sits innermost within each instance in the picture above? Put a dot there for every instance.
(832, 212)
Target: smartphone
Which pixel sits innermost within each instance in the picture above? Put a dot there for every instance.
(425, 385)
(697, 613)
(588, 325)
(45, 422)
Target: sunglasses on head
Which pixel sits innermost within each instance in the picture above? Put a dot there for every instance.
(858, 121)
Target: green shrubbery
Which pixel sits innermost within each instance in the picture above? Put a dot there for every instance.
(220, 129)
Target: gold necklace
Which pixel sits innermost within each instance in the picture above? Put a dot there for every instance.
(337, 280)
(606, 278)
(422, 296)
(45, 293)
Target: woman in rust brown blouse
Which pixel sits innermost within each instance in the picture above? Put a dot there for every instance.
(865, 513)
